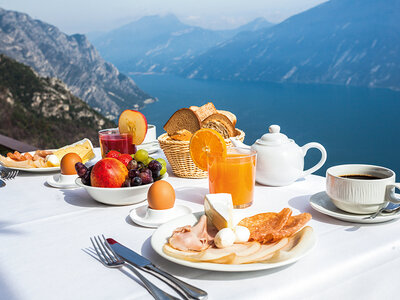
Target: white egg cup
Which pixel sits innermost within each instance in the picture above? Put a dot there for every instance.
(148, 217)
(62, 181)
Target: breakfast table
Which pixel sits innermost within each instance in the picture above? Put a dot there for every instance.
(46, 253)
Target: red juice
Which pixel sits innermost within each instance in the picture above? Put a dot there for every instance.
(110, 140)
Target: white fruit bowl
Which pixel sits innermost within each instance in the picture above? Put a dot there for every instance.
(118, 196)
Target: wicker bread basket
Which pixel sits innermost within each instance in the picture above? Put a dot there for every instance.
(178, 156)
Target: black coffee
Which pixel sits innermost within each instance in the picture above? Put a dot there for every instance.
(359, 176)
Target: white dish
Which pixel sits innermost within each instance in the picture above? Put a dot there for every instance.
(161, 235)
(151, 147)
(67, 182)
(322, 203)
(49, 169)
(118, 196)
(153, 218)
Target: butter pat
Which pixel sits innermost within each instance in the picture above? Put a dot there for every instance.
(224, 238)
(219, 210)
(52, 160)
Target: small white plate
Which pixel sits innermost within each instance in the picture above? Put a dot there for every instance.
(322, 203)
(161, 235)
(153, 218)
(151, 147)
(54, 181)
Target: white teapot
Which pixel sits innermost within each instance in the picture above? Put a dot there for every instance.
(280, 161)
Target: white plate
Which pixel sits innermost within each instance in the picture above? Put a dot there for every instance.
(161, 235)
(151, 147)
(45, 170)
(154, 218)
(322, 203)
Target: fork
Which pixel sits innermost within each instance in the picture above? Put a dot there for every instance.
(110, 259)
(8, 175)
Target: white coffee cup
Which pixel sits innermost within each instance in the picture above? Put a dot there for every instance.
(361, 196)
(150, 135)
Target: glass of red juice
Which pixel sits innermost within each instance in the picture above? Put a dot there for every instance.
(111, 139)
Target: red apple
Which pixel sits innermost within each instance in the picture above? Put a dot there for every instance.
(108, 172)
(133, 122)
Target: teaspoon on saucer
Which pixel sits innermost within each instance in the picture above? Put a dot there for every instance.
(389, 208)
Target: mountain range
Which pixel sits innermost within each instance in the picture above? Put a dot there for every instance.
(41, 111)
(346, 42)
(72, 59)
(160, 43)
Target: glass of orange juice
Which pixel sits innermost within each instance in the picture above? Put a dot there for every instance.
(234, 174)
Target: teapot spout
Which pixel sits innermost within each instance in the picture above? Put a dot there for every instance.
(238, 143)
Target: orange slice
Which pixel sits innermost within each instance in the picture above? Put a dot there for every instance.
(205, 141)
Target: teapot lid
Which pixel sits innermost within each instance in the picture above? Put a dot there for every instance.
(274, 137)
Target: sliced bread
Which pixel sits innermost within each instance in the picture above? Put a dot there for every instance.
(221, 124)
(203, 112)
(183, 118)
(228, 114)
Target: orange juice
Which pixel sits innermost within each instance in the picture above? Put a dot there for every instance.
(234, 174)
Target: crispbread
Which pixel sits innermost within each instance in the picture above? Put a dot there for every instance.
(184, 118)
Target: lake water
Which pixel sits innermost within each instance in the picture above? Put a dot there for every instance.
(355, 125)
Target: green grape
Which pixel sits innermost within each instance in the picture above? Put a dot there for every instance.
(141, 155)
(163, 170)
(162, 161)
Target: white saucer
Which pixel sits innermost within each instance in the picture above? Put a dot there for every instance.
(322, 203)
(151, 147)
(68, 183)
(153, 218)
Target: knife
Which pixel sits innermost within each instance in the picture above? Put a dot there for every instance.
(135, 259)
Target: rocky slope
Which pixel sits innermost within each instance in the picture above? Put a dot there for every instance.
(346, 42)
(71, 58)
(41, 111)
(160, 43)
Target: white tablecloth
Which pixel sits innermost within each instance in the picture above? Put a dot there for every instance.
(44, 233)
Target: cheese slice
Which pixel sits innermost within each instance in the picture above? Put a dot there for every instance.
(219, 210)
(83, 148)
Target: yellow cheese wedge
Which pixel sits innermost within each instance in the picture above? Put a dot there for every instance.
(83, 148)
(219, 209)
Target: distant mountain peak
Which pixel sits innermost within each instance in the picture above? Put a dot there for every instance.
(71, 58)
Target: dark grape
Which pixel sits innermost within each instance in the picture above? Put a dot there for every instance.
(133, 173)
(146, 170)
(155, 174)
(132, 165)
(134, 148)
(86, 179)
(140, 165)
(136, 181)
(146, 177)
(154, 165)
(127, 183)
(81, 169)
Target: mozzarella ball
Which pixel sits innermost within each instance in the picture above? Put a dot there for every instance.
(242, 234)
(224, 238)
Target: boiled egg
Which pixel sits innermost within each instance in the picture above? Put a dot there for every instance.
(67, 164)
(242, 234)
(224, 238)
(161, 195)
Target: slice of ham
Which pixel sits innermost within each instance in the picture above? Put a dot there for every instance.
(191, 238)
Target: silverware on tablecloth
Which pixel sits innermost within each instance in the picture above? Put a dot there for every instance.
(8, 174)
(111, 260)
(2, 183)
(130, 256)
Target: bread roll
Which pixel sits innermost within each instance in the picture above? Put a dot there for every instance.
(229, 115)
(221, 124)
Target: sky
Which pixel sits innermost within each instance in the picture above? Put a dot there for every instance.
(83, 16)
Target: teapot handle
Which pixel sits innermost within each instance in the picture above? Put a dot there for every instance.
(321, 148)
